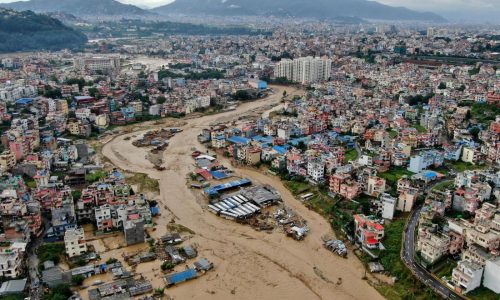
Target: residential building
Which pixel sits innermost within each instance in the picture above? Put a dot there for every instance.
(134, 232)
(7, 160)
(103, 218)
(432, 246)
(407, 199)
(375, 186)
(424, 160)
(304, 70)
(368, 232)
(467, 276)
(388, 206)
(11, 262)
(74, 242)
(471, 155)
(316, 169)
(492, 275)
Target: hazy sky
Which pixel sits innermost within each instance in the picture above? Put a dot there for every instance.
(478, 10)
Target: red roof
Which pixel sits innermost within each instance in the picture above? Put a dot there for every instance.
(134, 217)
(371, 241)
(204, 173)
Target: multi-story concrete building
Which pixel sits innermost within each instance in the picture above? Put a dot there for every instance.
(492, 275)
(134, 232)
(304, 70)
(432, 246)
(375, 186)
(316, 169)
(103, 218)
(388, 206)
(74, 242)
(425, 160)
(471, 155)
(7, 160)
(467, 276)
(11, 262)
(368, 232)
(406, 200)
(97, 63)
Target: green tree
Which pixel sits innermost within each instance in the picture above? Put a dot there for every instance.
(242, 95)
(94, 92)
(161, 100)
(78, 279)
(475, 133)
(60, 292)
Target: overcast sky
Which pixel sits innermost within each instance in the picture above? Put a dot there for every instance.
(473, 10)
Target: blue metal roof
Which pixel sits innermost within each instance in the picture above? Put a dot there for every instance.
(24, 101)
(181, 276)
(263, 139)
(238, 140)
(222, 187)
(280, 149)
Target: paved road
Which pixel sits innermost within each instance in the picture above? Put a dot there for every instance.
(422, 274)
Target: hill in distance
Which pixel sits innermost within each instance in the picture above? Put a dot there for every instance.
(320, 9)
(28, 31)
(80, 8)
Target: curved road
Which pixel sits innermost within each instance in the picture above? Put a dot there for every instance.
(420, 272)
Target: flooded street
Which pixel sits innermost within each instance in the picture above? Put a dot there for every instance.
(248, 264)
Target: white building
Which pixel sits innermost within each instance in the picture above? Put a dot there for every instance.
(388, 206)
(97, 63)
(425, 160)
(492, 275)
(316, 170)
(304, 70)
(284, 69)
(11, 262)
(467, 276)
(103, 217)
(365, 160)
(74, 242)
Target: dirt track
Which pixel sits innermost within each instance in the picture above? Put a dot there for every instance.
(249, 264)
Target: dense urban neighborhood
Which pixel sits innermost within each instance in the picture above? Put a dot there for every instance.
(287, 159)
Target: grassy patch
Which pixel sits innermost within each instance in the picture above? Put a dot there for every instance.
(144, 182)
(321, 204)
(351, 155)
(446, 268)
(393, 133)
(179, 228)
(31, 184)
(483, 294)
(393, 175)
(297, 187)
(419, 128)
(95, 176)
(484, 112)
(460, 166)
(444, 185)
